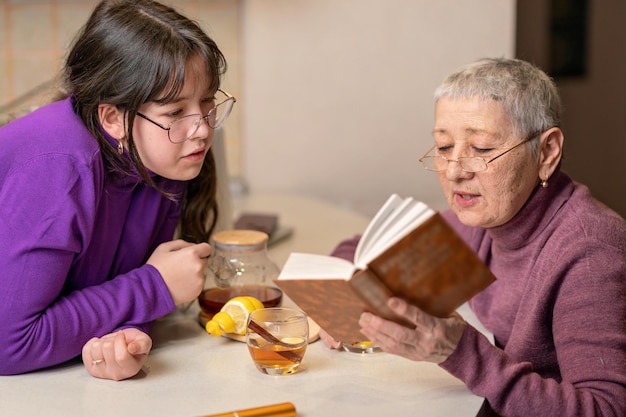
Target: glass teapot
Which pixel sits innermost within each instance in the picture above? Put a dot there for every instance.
(239, 265)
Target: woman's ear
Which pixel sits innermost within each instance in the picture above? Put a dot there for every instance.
(112, 120)
(550, 152)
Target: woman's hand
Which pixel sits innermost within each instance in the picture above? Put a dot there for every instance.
(433, 339)
(182, 266)
(118, 355)
(328, 340)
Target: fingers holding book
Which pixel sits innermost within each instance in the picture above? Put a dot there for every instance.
(433, 339)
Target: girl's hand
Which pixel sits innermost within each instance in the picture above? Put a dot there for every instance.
(433, 339)
(182, 266)
(118, 355)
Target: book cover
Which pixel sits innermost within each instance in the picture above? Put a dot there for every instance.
(429, 265)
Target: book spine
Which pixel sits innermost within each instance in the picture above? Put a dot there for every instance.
(375, 294)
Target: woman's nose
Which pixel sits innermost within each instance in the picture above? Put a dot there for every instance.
(454, 170)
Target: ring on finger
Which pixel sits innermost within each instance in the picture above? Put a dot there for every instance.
(97, 361)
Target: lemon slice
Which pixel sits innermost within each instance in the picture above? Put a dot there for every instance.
(233, 317)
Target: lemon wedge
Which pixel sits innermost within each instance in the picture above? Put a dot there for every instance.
(233, 317)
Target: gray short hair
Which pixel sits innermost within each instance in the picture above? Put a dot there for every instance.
(529, 95)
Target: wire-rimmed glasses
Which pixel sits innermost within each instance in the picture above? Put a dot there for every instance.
(182, 129)
(439, 163)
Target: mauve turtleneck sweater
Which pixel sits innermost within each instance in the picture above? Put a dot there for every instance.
(557, 310)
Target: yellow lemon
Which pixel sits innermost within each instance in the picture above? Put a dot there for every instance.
(220, 323)
(233, 317)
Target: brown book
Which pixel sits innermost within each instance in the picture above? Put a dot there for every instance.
(408, 250)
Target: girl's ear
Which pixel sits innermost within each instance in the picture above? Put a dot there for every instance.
(550, 152)
(112, 120)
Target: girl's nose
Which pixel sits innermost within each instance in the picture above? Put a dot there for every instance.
(203, 129)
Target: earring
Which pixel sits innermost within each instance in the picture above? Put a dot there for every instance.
(120, 147)
(544, 183)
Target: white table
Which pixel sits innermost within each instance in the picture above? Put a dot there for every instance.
(191, 373)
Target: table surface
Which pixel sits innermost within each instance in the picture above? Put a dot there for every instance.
(190, 373)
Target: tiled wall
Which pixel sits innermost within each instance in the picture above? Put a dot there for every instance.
(34, 35)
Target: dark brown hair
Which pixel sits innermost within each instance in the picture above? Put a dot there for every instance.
(135, 51)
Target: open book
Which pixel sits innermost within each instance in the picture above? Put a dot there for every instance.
(407, 250)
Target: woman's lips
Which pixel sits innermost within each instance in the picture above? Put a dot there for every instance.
(465, 199)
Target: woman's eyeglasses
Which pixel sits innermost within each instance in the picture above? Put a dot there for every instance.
(438, 163)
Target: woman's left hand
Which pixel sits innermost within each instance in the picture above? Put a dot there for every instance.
(118, 355)
(433, 339)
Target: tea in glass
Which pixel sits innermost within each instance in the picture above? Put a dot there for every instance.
(277, 339)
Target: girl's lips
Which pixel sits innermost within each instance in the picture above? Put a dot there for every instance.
(198, 154)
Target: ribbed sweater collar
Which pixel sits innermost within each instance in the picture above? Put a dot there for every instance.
(534, 216)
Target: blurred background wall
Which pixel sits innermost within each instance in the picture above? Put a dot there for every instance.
(335, 96)
(581, 44)
(339, 93)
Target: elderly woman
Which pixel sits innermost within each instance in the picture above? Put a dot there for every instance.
(558, 308)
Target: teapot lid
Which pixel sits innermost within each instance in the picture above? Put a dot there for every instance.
(241, 239)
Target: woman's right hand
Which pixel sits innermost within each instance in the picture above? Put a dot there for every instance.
(182, 266)
(432, 339)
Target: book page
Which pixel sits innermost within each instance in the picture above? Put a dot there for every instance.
(377, 222)
(313, 266)
(415, 216)
(388, 218)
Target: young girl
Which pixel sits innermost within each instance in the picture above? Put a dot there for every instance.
(94, 186)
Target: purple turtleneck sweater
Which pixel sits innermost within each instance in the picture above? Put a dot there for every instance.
(74, 240)
(557, 309)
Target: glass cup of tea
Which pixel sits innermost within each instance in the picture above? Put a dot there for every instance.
(277, 339)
